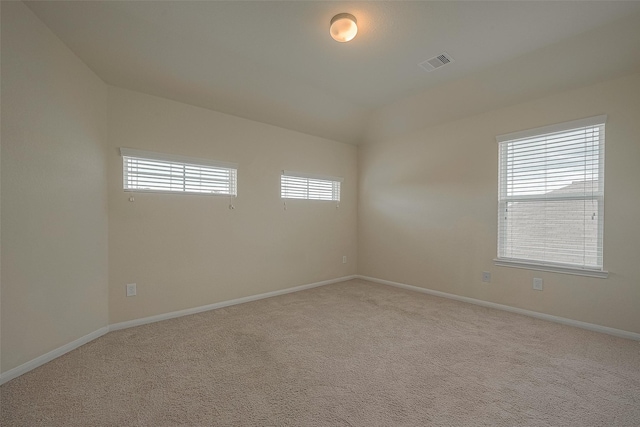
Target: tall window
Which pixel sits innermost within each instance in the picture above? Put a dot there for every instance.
(165, 173)
(296, 185)
(551, 196)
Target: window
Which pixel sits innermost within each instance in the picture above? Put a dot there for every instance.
(551, 198)
(165, 173)
(295, 185)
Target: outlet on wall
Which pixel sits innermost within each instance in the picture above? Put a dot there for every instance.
(344, 259)
(131, 290)
(537, 284)
(486, 276)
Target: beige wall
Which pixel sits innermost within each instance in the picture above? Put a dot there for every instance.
(428, 208)
(54, 197)
(186, 251)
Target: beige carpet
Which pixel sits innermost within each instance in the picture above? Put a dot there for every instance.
(349, 354)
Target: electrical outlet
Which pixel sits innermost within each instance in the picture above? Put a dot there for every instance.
(486, 276)
(131, 290)
(537, 284)
(344, 259)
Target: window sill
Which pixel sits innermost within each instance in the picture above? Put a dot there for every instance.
(528, 265)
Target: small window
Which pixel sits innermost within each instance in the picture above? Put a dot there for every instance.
(551, 196)
(295, 185)
(165, 173)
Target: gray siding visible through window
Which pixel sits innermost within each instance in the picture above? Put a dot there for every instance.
(569, 229)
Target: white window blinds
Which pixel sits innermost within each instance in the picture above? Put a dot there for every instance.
(296, 185)
(551, 194)
(156, 172)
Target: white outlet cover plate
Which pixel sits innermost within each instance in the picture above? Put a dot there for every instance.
(131, 290)
(537, 284)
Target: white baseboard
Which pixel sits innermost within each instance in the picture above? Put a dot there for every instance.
(584, 325)
(41, 360)
(194, 310)
(48, 357)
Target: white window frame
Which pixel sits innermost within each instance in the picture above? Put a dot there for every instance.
(178, 161)
(503, 199)
(310, 180)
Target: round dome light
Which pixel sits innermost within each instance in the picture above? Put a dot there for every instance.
(343, 27)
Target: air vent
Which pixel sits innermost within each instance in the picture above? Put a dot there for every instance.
(436, 62)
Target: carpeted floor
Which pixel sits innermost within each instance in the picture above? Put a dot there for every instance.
(349, 354)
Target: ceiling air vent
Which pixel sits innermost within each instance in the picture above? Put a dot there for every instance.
(436, 62)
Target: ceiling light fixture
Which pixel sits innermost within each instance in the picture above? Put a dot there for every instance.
(343, 27)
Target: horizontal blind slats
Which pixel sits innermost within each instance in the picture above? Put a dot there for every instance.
(554, 138)
(551, 197)
(304, 187)
(142, 174)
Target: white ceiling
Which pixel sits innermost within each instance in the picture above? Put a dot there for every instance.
(275, 62)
